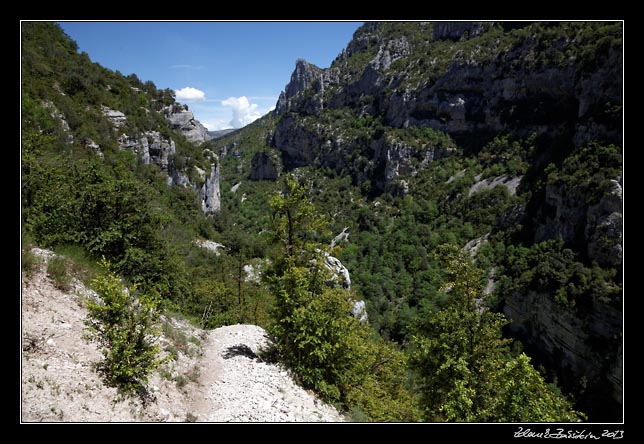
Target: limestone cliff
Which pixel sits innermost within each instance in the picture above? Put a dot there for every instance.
(494, 79)
(585, 347)
(184, 121)
(153, 147)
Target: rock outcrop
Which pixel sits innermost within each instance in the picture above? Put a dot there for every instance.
(183, 120)
(570, 213)
(60, 117)
(471, 93)
(264, 166)
(305, 76)
(340, 274)
(153, 147)
(210, 193)
(117, 118)
(511, 183)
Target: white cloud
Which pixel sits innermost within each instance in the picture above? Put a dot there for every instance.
(244, 112)
(190, 94)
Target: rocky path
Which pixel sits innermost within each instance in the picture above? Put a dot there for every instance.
(243, 388)
(213, 376)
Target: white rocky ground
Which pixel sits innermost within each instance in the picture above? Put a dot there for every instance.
(216, 376)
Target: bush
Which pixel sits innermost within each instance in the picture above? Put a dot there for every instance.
(29, 262)
(123, 325)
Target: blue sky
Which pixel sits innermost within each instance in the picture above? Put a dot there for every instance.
(228, 73)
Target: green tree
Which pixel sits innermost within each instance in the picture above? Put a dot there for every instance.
(124, 326)
(328, 350)
(465, 367)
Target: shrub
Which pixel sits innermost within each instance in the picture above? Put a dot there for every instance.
(123, 325)
(29, 262)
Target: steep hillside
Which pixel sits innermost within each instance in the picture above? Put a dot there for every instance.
(210, 376)
(113, 165)
(504, 136)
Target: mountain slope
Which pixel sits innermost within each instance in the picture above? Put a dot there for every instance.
(209, 378)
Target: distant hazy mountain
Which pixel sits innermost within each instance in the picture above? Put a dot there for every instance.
(220, 133)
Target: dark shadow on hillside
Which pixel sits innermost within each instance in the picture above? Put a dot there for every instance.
(240, 350)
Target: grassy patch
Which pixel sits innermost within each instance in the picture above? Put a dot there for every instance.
(57, 270)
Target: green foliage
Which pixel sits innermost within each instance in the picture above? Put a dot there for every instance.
(123, 322)
(329, 351)
(465, 368)
(85, 206)
(29, 261)
(590, 168)
(552, 268)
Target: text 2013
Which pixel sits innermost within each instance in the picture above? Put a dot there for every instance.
(567, 434)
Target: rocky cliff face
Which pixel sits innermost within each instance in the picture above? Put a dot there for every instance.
(584, 347)
(153, 147)
(184, 121)
(264, 166)
(571, 214)
(210, 193)
(492, 80)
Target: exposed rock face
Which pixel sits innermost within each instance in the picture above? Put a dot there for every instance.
(604, 227)
(60, 117)
(458, 30)
(569, 210)
(153, 147)
(210, 245)
(511, 183)
(399, 158)
(117, 118)
(210, 193)
(389, 52)
(340, 273)
(359, 311)
(579, 345)
(264, 166)
(93, 146)
(342, 278)
(342, 237)
(184, 120)
(471, 98)
(303, 78)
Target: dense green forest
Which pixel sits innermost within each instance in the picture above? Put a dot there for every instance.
(438, 246)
